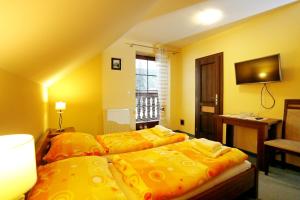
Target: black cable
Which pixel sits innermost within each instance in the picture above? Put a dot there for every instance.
(261, 97)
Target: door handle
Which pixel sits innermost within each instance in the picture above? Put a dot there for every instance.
(216, 100)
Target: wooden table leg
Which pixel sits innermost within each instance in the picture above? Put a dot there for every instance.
(262, 131)
(266, 160)
(271, 136)
(229, 135)
(219, 130)
(272, 132)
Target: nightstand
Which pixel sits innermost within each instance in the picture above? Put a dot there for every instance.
(54, 132)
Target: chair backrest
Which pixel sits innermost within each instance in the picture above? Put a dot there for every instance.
(291, 120)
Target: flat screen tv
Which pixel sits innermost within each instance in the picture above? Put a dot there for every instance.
(260, 70)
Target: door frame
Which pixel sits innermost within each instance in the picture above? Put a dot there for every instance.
(220, 89)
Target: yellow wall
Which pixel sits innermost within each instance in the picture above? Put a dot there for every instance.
(119, 85)
(93, 88)
(21, 106)
(274, 32)
(81, 90)
(175, 92)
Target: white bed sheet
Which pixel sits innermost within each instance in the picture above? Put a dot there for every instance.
(211, 183)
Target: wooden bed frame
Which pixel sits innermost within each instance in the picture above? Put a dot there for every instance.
(245, 183)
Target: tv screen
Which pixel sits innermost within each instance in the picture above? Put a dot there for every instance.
(261, 70)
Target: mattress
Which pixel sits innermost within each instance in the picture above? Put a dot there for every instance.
(211, 183)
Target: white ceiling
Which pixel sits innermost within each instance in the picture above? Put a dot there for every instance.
(181, 23)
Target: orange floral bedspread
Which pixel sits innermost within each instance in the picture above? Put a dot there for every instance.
(124, 142)
(77, 178)
(216, 165)
(173, 170)
(160, 138)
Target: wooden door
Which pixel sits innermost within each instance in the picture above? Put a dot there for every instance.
(209, 95)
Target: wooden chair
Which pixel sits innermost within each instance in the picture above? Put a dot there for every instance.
(290, 139)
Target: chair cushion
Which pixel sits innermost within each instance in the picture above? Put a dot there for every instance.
(290, 145)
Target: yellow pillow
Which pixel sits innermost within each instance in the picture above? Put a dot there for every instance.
(86, 177)
(73, 144)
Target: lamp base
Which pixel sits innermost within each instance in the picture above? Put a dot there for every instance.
(60, 122)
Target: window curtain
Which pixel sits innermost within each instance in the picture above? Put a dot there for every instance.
(162, 62)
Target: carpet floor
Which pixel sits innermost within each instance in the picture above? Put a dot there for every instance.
(280, 184)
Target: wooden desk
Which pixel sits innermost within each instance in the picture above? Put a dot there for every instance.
(263, 127)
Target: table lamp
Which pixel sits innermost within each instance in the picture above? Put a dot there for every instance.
(60, 106)
(17, 165)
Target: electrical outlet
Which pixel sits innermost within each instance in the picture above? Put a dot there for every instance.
(182, 122)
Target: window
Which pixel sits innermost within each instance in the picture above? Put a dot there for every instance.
(146, 74)
(146, 89)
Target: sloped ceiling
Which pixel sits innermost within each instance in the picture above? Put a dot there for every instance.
(162, 7)
(39, 39)
(182, 23)
(43, 40)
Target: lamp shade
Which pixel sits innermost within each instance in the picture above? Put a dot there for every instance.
(17, 165)
(60, 105)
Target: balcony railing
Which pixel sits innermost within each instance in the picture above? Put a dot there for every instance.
(147, 106)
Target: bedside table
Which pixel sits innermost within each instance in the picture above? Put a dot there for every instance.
(54, 132)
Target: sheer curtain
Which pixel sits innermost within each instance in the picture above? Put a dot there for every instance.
(162, 62)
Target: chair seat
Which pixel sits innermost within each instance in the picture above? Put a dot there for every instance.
(285, 144)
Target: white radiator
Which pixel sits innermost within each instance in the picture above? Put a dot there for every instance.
(117, 120)
(120, 116)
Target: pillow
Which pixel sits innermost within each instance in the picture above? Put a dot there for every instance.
(73, 144)
(86, 177)
(123, 142)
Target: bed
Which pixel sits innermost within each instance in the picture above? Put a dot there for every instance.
(237, 181)
(125, 142)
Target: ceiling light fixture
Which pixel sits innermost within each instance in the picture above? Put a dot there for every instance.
(209, 16)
